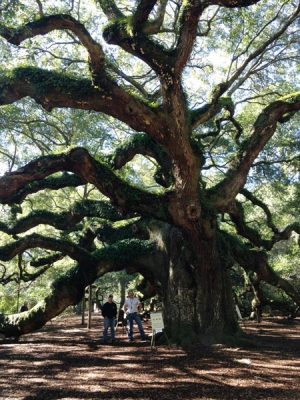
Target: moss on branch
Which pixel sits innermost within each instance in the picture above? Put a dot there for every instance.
(52, 183)
(46, 81)
(145, 145)
(10, 250)
(64, 220)
(124, 251)
(111, 233)
(124, 196)
(123, 32)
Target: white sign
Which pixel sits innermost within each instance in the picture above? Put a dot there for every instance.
(157, 321)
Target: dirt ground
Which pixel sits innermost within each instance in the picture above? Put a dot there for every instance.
(66, 361)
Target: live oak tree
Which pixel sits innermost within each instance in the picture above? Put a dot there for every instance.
(183, 77)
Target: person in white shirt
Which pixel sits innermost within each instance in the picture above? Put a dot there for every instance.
(132, 306)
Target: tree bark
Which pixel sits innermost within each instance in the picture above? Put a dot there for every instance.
(196, 293)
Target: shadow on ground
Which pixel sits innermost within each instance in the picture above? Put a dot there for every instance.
(66, 361)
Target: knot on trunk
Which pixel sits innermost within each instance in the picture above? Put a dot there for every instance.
(193, 211)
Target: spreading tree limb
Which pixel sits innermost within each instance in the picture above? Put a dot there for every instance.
(53, 89)
(57, 22)
(53, 183)
(69, 288)
(10, 250)
(143, 144)
(64, 220)
(264, 128)
(256, 261)
(237, 216)
(125, 197)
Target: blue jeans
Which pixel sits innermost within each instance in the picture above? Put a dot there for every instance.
(135, 317)
(109, 323)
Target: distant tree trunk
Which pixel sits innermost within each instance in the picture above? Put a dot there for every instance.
(257, 301)
(122, 287)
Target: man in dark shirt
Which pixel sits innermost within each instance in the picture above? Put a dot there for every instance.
(109, 312)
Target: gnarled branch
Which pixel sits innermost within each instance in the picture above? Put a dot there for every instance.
(124, 196)
(53, 89)
(264, 128)
(190, 14)
(69, 288)
(143, 144)
(10, 250)
(65, 220)
(233, 3)
(53, 22)
(256, 261)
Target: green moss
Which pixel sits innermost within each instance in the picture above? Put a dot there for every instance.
(227, 103)
(111, 233)
(118, 28)
(45, 80)
(291, 98)
(124, 250)
(69, 277)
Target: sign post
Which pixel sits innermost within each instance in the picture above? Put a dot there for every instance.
(157, 324)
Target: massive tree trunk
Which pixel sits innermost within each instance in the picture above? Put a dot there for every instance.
(196, 292)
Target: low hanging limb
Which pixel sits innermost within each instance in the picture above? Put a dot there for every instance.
(64, 220)
(256, 261)
(68, 288)
(237, 216)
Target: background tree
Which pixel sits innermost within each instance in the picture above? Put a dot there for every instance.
(202, 90)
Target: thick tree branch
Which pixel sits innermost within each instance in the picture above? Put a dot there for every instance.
(69, 288)
(65, 220)
(53, 183)
(110, 9)
(53, 22)
(124, 197)
(156, 56)
(190, 14)
(124, 252)
(264, 127)
(142, 12)
(52, 89)
(233, 3)
(131, 33)
(9, 251)
(39, 262)
(154, 26)
(143, 144)
(138, 229)
(237, 216)
(140, 19)
(209, 110)
(256, 261)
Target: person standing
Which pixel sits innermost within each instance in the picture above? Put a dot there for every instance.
(132, 306)
(109, 312)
